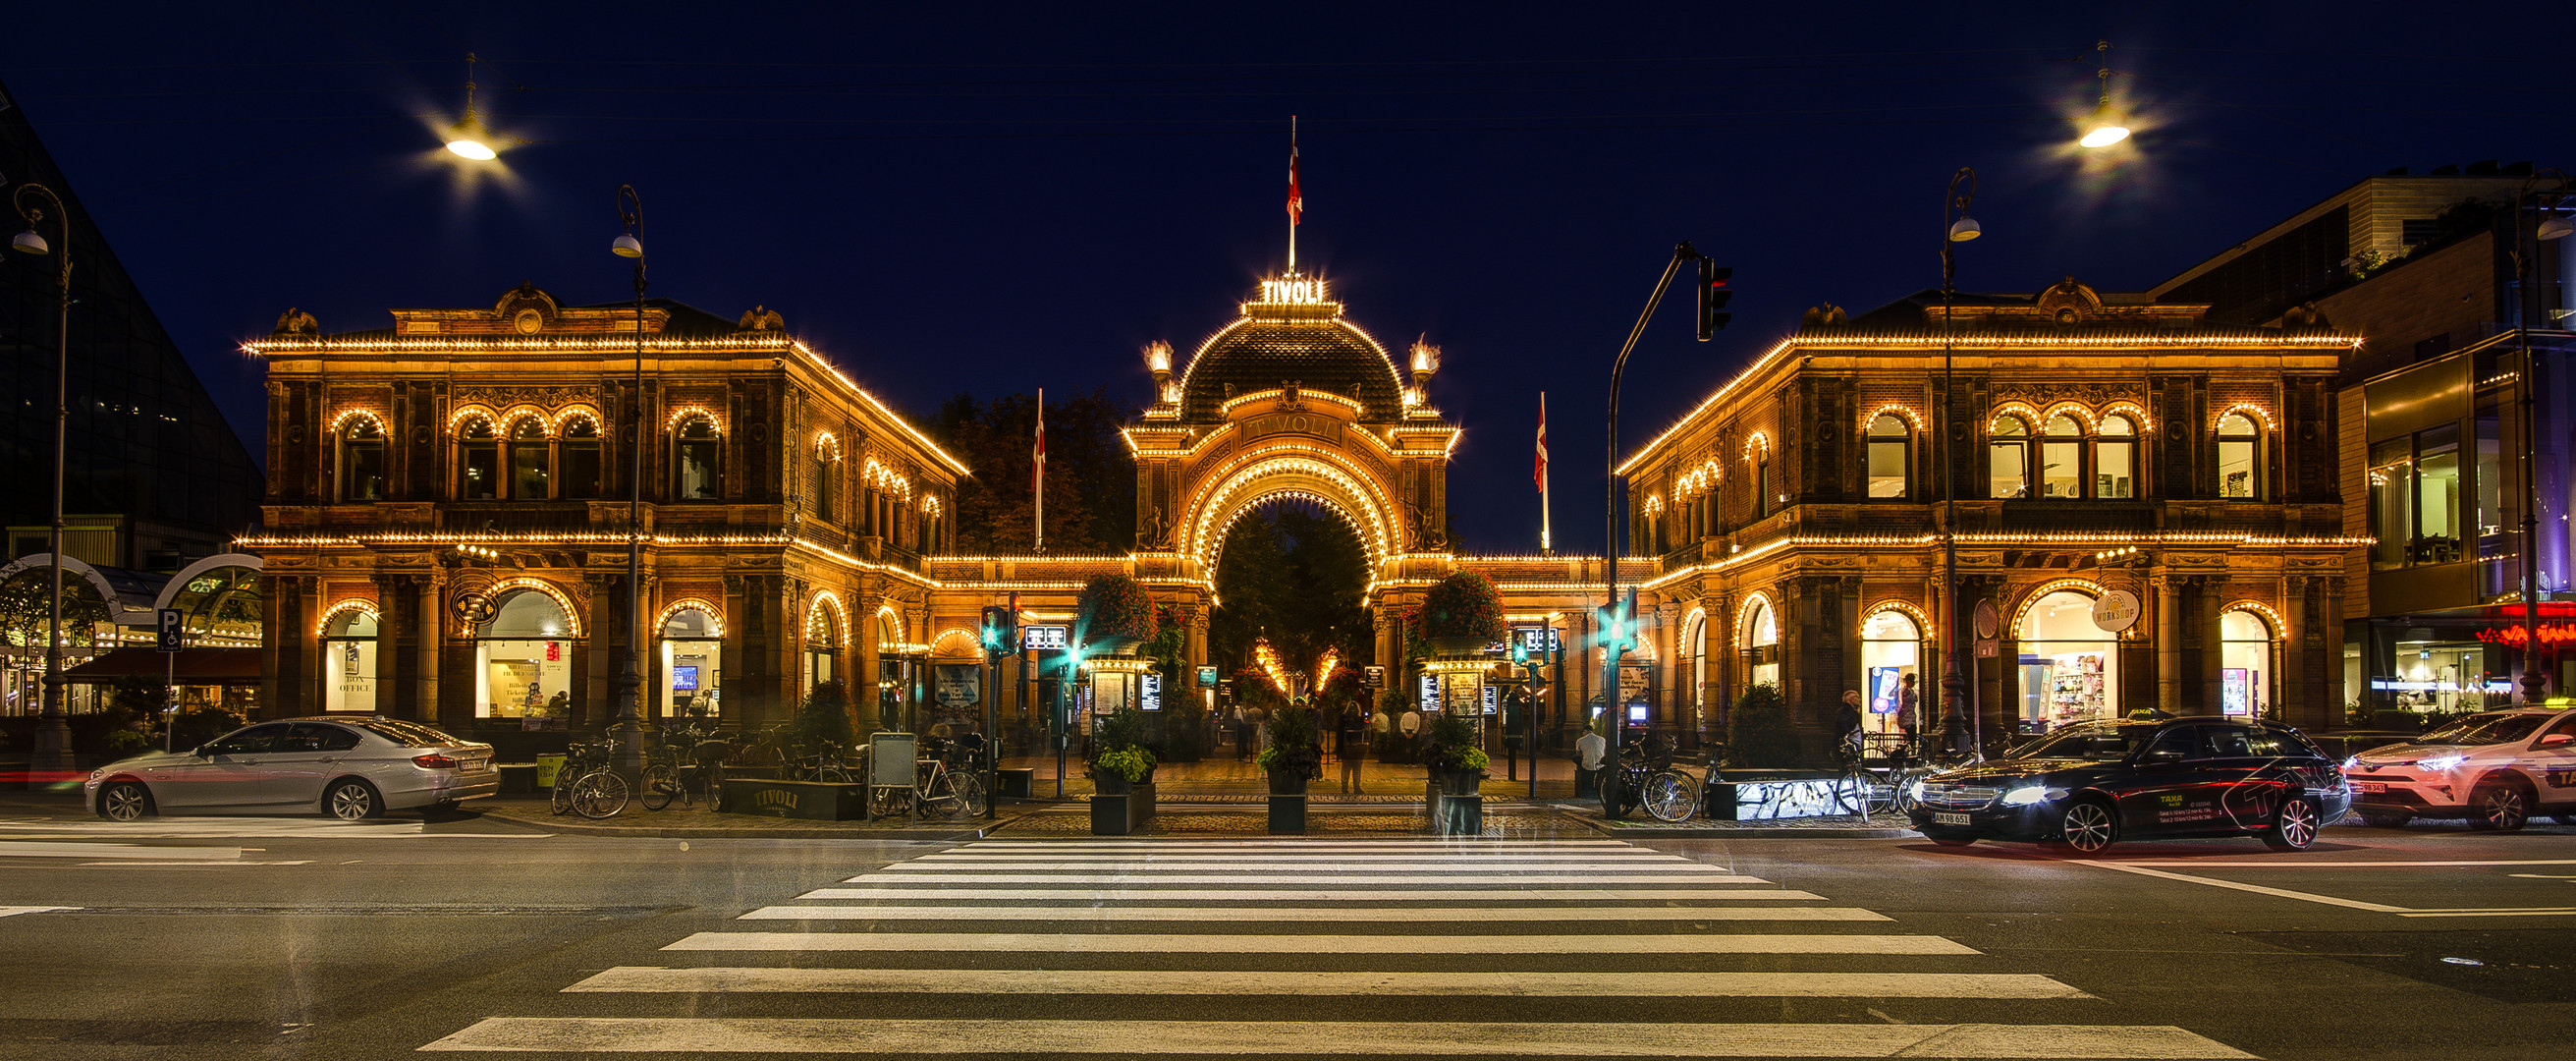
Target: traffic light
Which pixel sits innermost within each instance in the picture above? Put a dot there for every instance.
(1716, 286)
(1618, 623)
(998, 634)
(1520, 650)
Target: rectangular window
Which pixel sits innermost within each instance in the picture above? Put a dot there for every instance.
(528, 470)
(698, 478)
(2236, 467)
(2062, 469)
(2007, 469)
(2114, 469)
(1887, 467)
(2437, 495)
(2392, 520)
(2493, 541)
(365, 480)
(581, 469)
(482, 479)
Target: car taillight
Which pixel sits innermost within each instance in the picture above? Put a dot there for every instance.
(433, 761)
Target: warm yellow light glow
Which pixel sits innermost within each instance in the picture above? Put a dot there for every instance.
(468, 139)
(2105, 127)
(1293, 291)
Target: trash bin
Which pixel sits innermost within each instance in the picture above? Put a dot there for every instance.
(547, 767)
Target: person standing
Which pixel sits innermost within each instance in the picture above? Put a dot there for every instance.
(1589, 750)
(1908, 707)
(1353, 743)
(1847, 727)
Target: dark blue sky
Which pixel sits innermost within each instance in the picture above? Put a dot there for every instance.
(945, 198)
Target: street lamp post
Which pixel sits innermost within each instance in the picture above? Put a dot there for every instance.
(2534, 683)
(627, 692)
(1612, 710)
(53, 750)
(1956, 227)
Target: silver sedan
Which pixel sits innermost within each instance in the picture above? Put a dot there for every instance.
(349, 768)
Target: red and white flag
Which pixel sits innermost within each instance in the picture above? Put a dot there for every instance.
(1538, 474)
(1296, 199)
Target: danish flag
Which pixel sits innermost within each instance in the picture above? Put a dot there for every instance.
(1296, 200)
(1538, 474)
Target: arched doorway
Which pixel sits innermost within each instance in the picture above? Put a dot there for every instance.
(2247, 645)
(349, 659)
(823, 625)
(2070, 668)
(523, 659)
(691, 657)
(1891, 661)
(1757, 636)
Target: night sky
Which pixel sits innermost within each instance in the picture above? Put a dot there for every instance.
(946, 199)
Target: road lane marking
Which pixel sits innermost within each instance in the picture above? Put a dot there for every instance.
(1288, 844)
(194, 865)
(1080, 943)
(68, 849)
(2528, 912)
(1464, 857)
(1107, 877)
(2281, 893)
(954, 982)
(1373, 1038)
(2199, 864)
(13, 911)
(1262, 865)
(1365, 895)
(1333, 914)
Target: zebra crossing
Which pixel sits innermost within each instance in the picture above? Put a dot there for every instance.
(1293, 948)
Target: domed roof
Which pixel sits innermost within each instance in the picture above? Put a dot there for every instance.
(1290, 333)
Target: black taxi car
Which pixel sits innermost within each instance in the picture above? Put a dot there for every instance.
(2091, 785)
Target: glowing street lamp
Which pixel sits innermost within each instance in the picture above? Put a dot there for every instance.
(468, 138)
(2107, 126)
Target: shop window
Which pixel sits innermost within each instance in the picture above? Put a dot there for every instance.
(362, 461)
(2115, 459)
(349, 663)
(2392, 508)
(478, 462)
(2495, 540)
(697, 461)
(523, 661)
(2245, 664)
(2061, 456)
(579, 451)
(2415, 499)
(530, 466)
(2240, 458)
(2070, 668)
(692, 658)
(1760, 638)
(2008, 458)
(1891, 660)
(1889, 443)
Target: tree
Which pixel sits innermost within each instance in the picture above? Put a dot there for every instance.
(24, 615)
(1758, 731)
(1090, 479)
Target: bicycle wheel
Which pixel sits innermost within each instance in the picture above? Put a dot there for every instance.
(599, 794)
(970, 790)
(1851, 790)
(562, 797)
(889, 802)
(714, 776)
(661, 785)
(832, 772)
(1671, 796)
(1901, 795)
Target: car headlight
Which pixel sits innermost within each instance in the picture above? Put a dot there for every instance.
(2442, 762)
(2352, 762)
(2023, 797)
(95, 776)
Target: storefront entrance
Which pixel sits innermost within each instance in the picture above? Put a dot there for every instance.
(2070, 668)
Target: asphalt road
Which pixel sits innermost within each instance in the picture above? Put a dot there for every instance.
(296, 938)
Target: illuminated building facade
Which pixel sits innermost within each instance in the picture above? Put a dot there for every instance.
(447, 517)
(2101, 445)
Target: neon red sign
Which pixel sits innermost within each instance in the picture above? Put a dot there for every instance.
(2550, 634)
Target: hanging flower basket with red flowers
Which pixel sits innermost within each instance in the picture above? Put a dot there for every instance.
(1462, 610)
(1114, 611)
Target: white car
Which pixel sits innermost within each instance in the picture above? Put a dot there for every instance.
(348, 768)
(2499, 770)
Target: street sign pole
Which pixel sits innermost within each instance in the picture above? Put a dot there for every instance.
(172, 638)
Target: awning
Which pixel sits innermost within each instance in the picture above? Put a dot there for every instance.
(196, 666)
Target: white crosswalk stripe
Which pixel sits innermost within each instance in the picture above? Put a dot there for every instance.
(1474, 925)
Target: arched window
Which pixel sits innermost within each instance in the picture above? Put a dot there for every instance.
(2245, 663)
(1889, 459)
(1760, 641)
(1765, 501)
(2008, 457)
(2061, 458)
(827, 478)
(2115, 458)
(362, 461)
(579, 456)
(2240, 458)
(349, 663)
(523, 659)
(530, 467)
(1695, 649)
(697, 460)
(822, 645)
(692, 657)
(2070, 667)
(1891, 660)
(478, 462)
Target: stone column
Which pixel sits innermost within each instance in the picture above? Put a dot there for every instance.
(863, 685)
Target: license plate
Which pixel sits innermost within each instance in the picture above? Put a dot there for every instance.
(1948, 818)
(474, 766)
(2368, 786)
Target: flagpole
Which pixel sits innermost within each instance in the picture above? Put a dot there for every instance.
(1037, 482)
(1544, 531)
(1292, 191)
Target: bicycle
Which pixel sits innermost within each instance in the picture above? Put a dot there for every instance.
(1648, 778)
(588, 784)
(690, 761)
(946, 783)
(819, 761)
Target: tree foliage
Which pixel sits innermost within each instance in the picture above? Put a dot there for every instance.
(1090, 479)
(1759, 732)
(24, 614)
(1293, 574)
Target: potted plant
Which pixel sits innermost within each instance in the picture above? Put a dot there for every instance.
(1122, 775)
(1114, 615)
(1296, 753)
(1461, 615)
(1457, 765)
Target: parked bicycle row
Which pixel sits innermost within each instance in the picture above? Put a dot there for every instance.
(692, 762)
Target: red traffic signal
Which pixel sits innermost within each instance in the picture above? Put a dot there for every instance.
(1716, 287)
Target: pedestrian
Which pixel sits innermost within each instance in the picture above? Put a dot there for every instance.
(1847, 726)
(1589, 750)
(1354, 742)
(1242, 735)
(1908, 708)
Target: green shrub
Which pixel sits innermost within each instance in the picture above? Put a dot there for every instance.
(1758, 731)
(1294, 745)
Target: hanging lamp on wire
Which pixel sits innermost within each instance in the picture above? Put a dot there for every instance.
(468, 138)
(2107, 126)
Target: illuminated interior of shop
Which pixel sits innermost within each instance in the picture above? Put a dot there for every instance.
(2245, 664)
(349, 663)
(523, 660)
(2070, 669)
(1891, 648)
(1761, 640)
(692, 661)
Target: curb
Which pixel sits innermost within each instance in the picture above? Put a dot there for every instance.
(571, 825)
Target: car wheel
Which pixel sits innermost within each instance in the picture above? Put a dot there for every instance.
(2386, 821)
(2498, 806)
(352, 800)
(2294, 826)
(2089, 827)
(1945, 838)
(125, 801)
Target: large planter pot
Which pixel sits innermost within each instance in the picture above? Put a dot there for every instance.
(1123, 812)
(1458, 782)
(1458, 646)
(1283, 783)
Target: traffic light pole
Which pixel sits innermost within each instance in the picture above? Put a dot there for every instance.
(1682, 252)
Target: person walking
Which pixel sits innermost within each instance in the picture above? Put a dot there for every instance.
(1352, 744)
(1847, 727)
(1242, 735)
